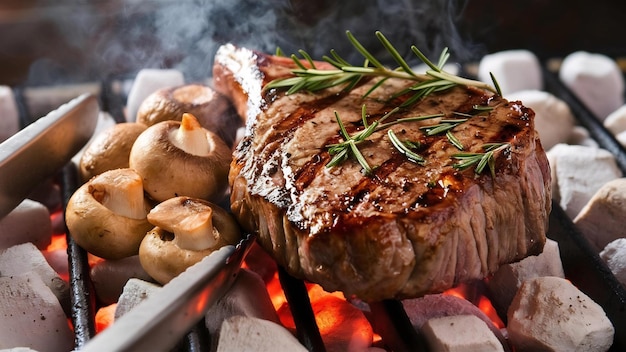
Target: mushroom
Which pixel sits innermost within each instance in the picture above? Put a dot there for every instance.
(186, 230)
(107, 216)
(181, 159)
(212, 109)
(109, 150)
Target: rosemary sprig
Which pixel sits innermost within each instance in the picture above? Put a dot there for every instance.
(446, 126)
(307, 77)
(341, 151)
(313, 79)
(481, 160)
(442, 126)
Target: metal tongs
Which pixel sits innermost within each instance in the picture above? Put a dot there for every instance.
(159, 322)
(42, 148)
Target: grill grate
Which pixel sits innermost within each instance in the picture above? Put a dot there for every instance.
(582, 265)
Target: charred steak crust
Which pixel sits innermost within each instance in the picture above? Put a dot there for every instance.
(405, 231)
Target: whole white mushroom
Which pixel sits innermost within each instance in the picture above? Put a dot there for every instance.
(181, 158)
(186, 230)
(107, 216)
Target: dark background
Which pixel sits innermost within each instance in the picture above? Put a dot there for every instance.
(45, 42)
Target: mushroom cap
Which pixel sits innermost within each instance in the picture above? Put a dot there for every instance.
(159, 252)
(109, 150)
(213, 110)
(99, 230)
(162, 260)
(168, 171)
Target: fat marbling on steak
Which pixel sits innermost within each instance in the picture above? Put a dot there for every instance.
(405, 230)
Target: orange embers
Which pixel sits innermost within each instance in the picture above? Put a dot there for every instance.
(105, 317)
(474, 294)
(342, 326)
(58, 243)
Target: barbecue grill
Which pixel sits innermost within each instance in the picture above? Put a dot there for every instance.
(527, 24)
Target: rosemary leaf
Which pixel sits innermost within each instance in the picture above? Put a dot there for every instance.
(492, 166)
(458, 80)
(444, 87)
(443, 58)
(455, 141)
(481, 160)
(352, 83)
(342, 128)
(307, 57)
(417, 96)
(409, 119)
(394, 53)
(296, 87)
(359, 157)
(442, 126)
(364, 116)
(495, 83)
(403, 149)
(484, 161)
(283, 82)
(339, 157)
(359, 69)
(333, 62)
(436, 129)
(314, 73)
(297, 61)
(339, 58)
(424, 59)
(481, 108)
(433, 83)
(373, 88)
(361, 49)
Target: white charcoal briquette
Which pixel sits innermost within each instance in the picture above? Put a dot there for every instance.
(614, 255)
(515, 70)
(553, 117)
(596, 80)
(602, 219)
(578, 172)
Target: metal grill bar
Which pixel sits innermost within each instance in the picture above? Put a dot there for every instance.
(389, 319)
(303, 316)
(586, 118)
(82, 296)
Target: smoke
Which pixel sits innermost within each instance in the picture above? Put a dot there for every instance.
(128, 35)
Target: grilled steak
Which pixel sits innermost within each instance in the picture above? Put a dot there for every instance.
(404, 230)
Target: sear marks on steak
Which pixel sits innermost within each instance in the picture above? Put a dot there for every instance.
(408, 229)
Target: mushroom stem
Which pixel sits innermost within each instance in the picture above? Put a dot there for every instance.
(121, 193)
(196, 232)
(190, 221)
(190, 136)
